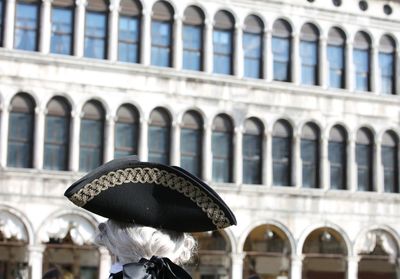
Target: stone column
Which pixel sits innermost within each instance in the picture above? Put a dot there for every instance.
(268, 59)
(105, 263)
(375, 79)
(45, 27)
(143, 144)
(4, 120)
(208, 46)
(237, 265)
(267, 160)
(145, 42)
(238, 53)
(323, 58)
(378, 179)
(79, 34)
(113, 30)
(296, 268)
(324, 178)
(35, 260)
(296, 61)
(351, 165)
(9, 20)
(109, 141)
(178, 43)
(74, 141)
(296, 161)
(238, 157)
(349, 67)
(207, 153)
(352, 267)
(38, 140)
(176, 144)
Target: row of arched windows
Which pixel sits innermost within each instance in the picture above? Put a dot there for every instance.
(126, 142)
(253, 43)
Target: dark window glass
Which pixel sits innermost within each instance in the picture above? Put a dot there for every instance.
(223, 51)
(126, 132)
(161, 43)
(20, 139)
(222, 150)
(309, 157)
(390, 168)
(309, 62)
(252, 149)
(281, 152)
(281, 54)
(252, 54)
(26, 26)
(191, 150)
(336, 66)
(1, 22)
(61, 30)
(337, 160)
(96, 35)
(386, 66)
(361, 64)
(128, 39)
(159, 137)
(192, 47)
(364, 166)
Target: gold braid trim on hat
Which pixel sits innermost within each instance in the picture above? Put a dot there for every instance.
(152, 175)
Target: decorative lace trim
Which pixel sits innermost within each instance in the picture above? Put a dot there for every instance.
(152, 175)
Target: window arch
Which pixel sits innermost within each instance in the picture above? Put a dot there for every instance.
(91, 136)
(161, 34)
(282, 153)
(191, 142)
(62, 24)
(56, 143)
(252, 151)
(20, 131)
(96, 26)
(310, 155)
(159, 136)
(361, 60)
(193, 25)
(390, 162)
(364, 159)
(27, 16)
(387, 50)
(222, 149)
(336, 57)
(309, 54)
(252, 46)
(126, 131)
(337, 156)
(223, 43)
(129, 31)
(281, 50)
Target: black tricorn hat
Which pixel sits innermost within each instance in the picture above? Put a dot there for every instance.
(151, 194)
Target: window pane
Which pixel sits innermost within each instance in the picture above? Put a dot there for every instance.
(281, 54)
(252, 159)
(192, 46)
(337, 160)
(386, 66)
(126, 139)
(159, 143)
(252, 55)
(26, 26)
(1, 22)
(364, 167)
(91, 144)
(390, 166)
(222, 40)
(95, 35)
(161, 43)
(61, 30)
(20, 140)
(128, 37)
(191, 151)
(56, 143)
(222, 157)
(309, 157)
(309, 62)
(336, 66)
(361, 63)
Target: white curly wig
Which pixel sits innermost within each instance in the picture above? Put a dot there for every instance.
(131, 242)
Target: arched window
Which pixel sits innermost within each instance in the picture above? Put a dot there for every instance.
(129, 31)
(252, 47)
(361, 60)
(336, 54)
(387, 52)
(159, 136)
(91, 136)
(191, 143)
(252, 151)
(281, 50)
(193, 39)
(26, 32)
(20, 132)
(390, 162)
(223, 43)
(364, 159)
(56, 140)
(126, 132)
(309, 54)
(337, 157)
(222, 149)
(62, 26)
(281, 153)
(161, 34)
(310, 155)
(96, 26)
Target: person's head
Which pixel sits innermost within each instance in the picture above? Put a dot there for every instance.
(53, 273)
(130, 242)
